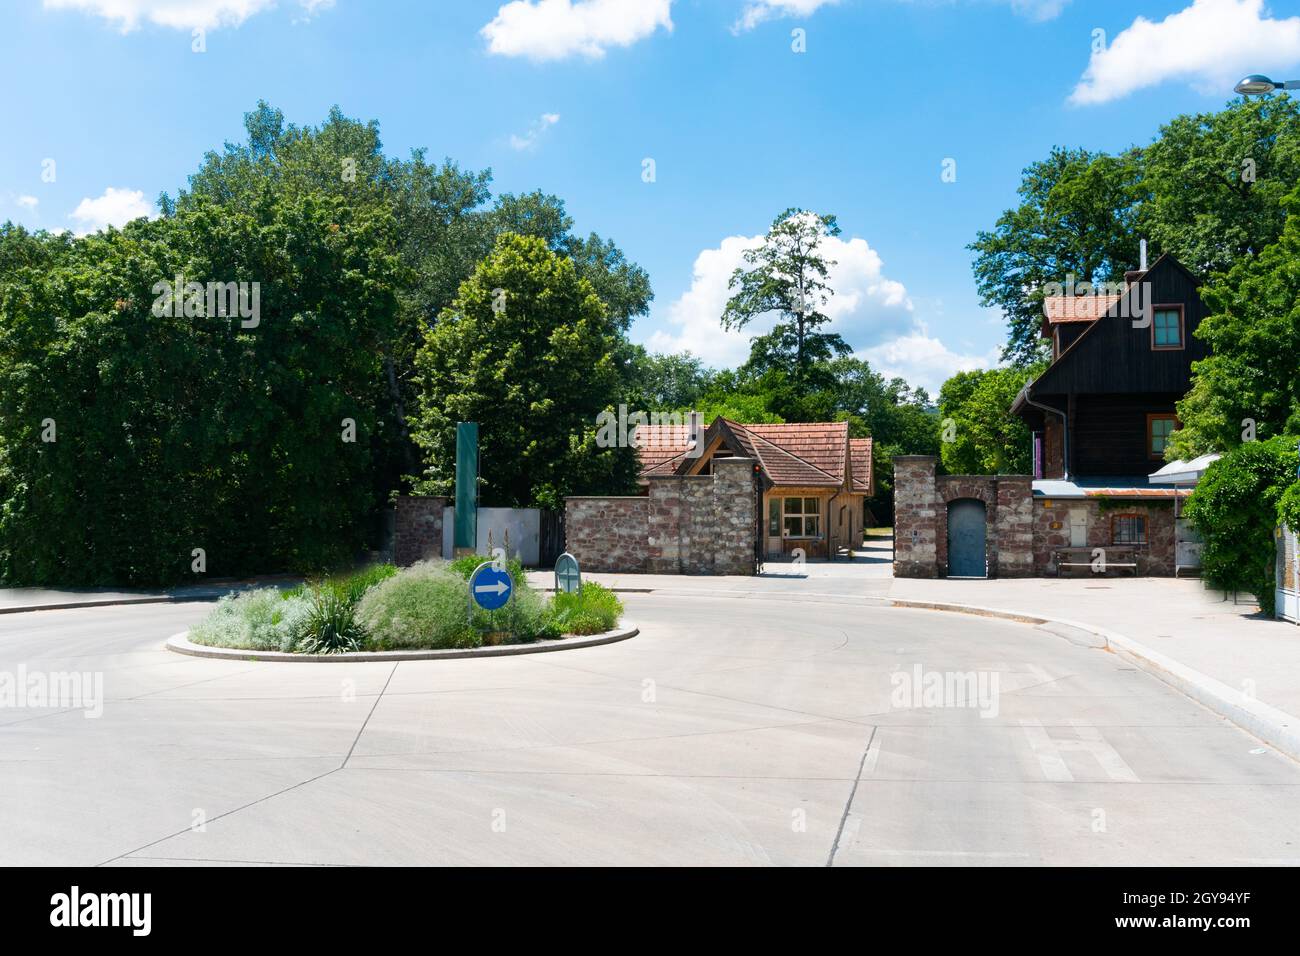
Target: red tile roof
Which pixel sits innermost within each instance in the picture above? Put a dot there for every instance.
(860, 453)
(813, 454)
(660, 447)
(810, 453)
(1077, 308)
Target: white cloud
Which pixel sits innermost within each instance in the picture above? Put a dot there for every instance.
(873, 313)
(555, 29)
(116, 207)
(28, 202)
(535, 132)
(757, 11)
(923, 361)
(1212, 44)
(177, 14)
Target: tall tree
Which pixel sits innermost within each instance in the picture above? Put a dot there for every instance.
(133, 433)
(1249, 386)
(979, 434)
(787, 276)
(448, 221)
(1217, 182)
(1077, 216)
(527, 350)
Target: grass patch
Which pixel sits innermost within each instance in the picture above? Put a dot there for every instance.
(593, 609)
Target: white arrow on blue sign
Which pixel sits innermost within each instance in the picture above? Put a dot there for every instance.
(490, 587)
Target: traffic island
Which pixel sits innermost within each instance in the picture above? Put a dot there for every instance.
(181, 644)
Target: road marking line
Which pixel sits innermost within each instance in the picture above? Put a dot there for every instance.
(1049, 758)
(1088, 739)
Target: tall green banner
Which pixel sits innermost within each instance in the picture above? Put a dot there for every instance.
(466, 527)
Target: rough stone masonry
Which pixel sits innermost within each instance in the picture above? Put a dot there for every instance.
(696, 524)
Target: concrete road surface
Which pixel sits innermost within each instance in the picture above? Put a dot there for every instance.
(785, 729)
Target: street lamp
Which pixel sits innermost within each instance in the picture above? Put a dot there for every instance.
(1256, 85)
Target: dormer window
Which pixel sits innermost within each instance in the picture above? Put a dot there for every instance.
(1167, 327)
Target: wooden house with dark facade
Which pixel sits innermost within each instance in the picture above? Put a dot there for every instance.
(1101, 498)
(1105, 407)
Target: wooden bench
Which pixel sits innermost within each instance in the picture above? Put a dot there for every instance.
(1085, 559)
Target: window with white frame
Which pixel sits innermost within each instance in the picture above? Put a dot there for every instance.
(802, 518)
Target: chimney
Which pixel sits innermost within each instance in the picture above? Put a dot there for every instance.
(1133, 275)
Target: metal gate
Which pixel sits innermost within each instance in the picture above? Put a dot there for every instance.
(967, 521)
(551, 538)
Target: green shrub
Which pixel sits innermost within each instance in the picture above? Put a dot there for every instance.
(467, 565)
(260, 620)
(1235, 509)
(331, 627)
(421, 607)
(353, 587)
(592, 610)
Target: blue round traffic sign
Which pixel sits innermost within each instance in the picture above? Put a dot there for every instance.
(489, 587)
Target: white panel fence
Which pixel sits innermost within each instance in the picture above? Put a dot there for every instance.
(1288, 575)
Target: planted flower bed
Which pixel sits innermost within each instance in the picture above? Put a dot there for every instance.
(382, 608)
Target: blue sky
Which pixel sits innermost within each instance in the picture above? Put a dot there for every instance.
(573, 96)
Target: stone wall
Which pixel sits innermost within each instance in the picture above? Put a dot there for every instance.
(1022, 532)
(921, 502)
(607, 534)
(1052, 531)
(417, 528)
(700, 524)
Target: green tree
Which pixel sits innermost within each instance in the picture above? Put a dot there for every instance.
(527, 350)
(1250, 383)
(658, 382)
(979, 434)
(786, 276)
(1077, 216)
(1216, 182)
(131, 435)
(1235, 508)
(898, 419)
(448, 221)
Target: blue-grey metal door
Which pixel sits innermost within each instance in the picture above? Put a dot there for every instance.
(966, 529)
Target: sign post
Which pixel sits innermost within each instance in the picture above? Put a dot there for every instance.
(490, 587)
(465, 536)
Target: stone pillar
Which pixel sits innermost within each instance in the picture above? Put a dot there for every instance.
(1015, 526)
(734, 525)
(915, 513)
(664, 525)
(417, 529)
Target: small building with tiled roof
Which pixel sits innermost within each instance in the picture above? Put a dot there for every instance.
(814, 478)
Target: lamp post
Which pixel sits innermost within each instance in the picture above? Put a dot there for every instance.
(1256, 85)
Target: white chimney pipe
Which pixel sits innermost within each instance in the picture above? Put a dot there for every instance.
(1144, 256)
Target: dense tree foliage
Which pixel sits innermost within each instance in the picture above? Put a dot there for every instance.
(132, 435)
(979, 434)
(527, 350)
(1235, 508)
(1249, 387)
(1209, 190)
(127, 439)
